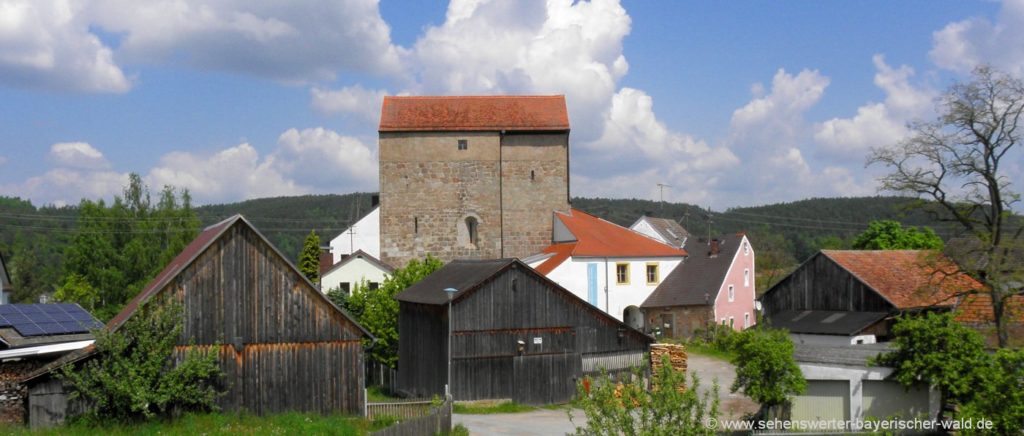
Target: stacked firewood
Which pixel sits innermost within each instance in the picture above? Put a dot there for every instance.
(676, 359)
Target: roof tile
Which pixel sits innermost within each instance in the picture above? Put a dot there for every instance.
(907, 278)
(474, 113)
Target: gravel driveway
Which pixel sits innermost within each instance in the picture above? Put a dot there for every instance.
(556, 422)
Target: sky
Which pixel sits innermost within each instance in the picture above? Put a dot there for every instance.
(729, 103)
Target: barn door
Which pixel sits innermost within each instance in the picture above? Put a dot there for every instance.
(545, 378)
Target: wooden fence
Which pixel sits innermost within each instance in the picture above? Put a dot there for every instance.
(612, 362)
(415, 417)
(379, 374)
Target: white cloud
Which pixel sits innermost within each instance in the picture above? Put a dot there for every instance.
(64, 186)
(322, 157)
(289, 41)
(962, 45)
(47, 44)
(357, 100)
(79, 155)
(878, 124)
(231, 174)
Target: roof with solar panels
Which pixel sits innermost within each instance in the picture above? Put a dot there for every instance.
(27, 325)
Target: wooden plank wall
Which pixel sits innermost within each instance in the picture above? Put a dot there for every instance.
(488, 324)
(281, 345)
(820, 284)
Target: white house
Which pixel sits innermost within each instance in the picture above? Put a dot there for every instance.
(610, 266)
(353, 269)
(364, 235)
(662, 229)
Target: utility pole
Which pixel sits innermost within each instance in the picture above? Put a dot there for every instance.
(661, 195)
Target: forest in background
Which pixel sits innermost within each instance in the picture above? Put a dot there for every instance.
(33, 239)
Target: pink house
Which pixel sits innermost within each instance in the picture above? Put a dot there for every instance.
(715, 284)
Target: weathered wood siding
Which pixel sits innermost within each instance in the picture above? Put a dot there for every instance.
(556, 328)
(281, 345)
(48, 404)
(820, 284)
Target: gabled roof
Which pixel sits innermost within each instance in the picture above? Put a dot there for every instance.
(595, 237)
(977, 309)
(908, 279)
(474, 113)
(188, 255)
(669, 230)
(825, 322)
(699, 279)
(360, 254)
(855, 355)
(466, 276)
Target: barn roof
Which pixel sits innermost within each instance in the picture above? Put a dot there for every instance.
(595, 237)
(360, 254)
(856, 355)
(699, 279)
(474, 113)
(188, 255)
(825, 322)
(469, 275)
(908, 279)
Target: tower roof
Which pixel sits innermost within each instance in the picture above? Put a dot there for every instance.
(474, 113)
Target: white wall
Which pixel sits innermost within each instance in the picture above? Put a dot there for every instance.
(364, 235)
(831, 340)
(355, 271)
(572, 275)
(642, 227)
(855, 376)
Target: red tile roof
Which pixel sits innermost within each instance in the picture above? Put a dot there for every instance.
(474, 113)
(596, 237)
(977, 309)
(907, 278)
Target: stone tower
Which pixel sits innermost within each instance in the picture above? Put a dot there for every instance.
(471, 177)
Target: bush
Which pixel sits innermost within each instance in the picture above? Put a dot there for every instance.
(670, 407)
(133, 375)
(765, 368)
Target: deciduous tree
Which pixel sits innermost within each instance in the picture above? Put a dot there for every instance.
(765, 368)
(960, 162)
(891, 235)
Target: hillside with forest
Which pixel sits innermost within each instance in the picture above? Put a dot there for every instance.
(33, 240)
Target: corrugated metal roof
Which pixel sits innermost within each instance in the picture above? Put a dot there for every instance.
(853, 355)
(698, 279)
(474, 113)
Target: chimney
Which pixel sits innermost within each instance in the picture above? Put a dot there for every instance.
(374, 200)
(326, 260)
(713, 249)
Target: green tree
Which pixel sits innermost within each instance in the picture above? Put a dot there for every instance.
(774, 257)
(957, 162)
(765, 368)
(118, 249)
(309, 259)
(670, 407)
(936, 350)
(76, 289)
(134, 375)
(998, 395)
(377, 309)
(891, 235)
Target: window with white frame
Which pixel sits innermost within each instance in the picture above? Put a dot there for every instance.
(724, 320)
(732, 322)
(732, 293)
(746, 319)
(746, 278)
(746, 249)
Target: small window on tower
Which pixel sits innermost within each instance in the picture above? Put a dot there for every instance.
(532, 175)
(415, 224)
(471, 227)
(463, 144)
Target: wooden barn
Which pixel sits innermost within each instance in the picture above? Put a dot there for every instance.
(516, 335)
(283, 346)
(848, 296)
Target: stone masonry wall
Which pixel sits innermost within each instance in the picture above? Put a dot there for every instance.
(429, 187)
(535, 184)
(14, 395)
(686, 319)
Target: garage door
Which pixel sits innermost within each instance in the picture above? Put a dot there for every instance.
(824, 400)
(888, 399)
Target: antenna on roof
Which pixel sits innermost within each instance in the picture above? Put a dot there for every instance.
(661, 195)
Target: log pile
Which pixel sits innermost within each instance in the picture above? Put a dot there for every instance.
(676, 359)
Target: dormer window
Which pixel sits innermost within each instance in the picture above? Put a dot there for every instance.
(463, 144)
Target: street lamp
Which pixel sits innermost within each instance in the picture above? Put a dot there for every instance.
(450, 292)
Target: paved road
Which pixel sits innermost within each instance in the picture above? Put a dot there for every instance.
(556, 422)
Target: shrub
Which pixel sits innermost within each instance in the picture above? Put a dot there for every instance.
(133, 375)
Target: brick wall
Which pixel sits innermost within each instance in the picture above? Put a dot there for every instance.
(685, 319)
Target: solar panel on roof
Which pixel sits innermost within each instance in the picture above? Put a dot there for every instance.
(29, 329)
(7, 308)
(47, 319)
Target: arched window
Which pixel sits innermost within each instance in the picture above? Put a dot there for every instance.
(471, 230)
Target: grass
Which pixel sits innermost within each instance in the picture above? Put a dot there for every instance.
(702, 349)
(490, 409)
(220, 424)
(377, 394)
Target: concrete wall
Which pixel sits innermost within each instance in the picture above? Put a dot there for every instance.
(914, 403)
(365, 235)
(353, 272)
(572, 275)
(742, 303)
(510, 184)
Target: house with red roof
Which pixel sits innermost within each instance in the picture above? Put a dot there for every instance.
(607, 265)
(847, 297)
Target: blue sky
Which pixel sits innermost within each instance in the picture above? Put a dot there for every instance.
(731, 103)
